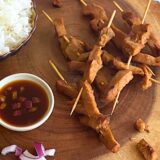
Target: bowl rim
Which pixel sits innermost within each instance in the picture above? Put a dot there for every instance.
(38, 80)
(13, 51)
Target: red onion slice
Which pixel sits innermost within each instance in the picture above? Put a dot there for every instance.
(50, 152)
(39, 149)
(9, 149)
(18, 151)
(41, 152)
(28, 156)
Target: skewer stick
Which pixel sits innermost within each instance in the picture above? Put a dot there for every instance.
(146, 11)
(115, 103)
(129, 61)
(155, 81)
(81, 90)
(111, 19)
(51, 20)
(85, 4)
(150, 70)
(152, 79)
(66, 39)
(48, 17)
(76, 101)
(56, 70)
(118, 6)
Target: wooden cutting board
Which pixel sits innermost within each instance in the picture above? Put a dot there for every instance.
(72, 140)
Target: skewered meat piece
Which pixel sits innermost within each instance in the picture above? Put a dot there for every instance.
(57, 3)
(71, 46)
(101, 125)
(88, 100)
(83, 57)
(147, 150)
(119, 81)
(96, 120)
(60, 27)
(106, 35)
(141, 57)
(98, 15)
(137, 39)
(119, 38)
(66, 89)
(76, 66)
(131, 20)
(118, 64)
(147, 59)
(147, 83)
(94, 59)
(73, 49)
(94, 64)
(102, 79)
(91, 115)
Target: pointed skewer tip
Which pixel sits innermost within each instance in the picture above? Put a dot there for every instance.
(111, 19)
(146, 11)
(56, 70)
(83, 2)
(118, 6)
(47, 16)
(76, 101)
(115, 103)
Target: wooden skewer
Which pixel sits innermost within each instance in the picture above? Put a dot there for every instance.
(152, 79)
(51, 20)
(149, 69)
(48, 17)
(111, 19)
(66, 39)
(85, 4)
(129, 61)
(76, 101)
(118, 6)
(56, 70)
(81, 90)
(146, 11)
(155, 81)
(115, 103)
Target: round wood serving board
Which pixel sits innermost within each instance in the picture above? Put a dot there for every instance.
(72, 140)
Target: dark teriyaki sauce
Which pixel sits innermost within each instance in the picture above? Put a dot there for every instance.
(23, 103)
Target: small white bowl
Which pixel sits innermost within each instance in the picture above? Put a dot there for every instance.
(44, 85)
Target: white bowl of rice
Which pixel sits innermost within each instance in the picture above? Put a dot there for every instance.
(17, 23)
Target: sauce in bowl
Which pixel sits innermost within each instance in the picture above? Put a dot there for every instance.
(23, 103)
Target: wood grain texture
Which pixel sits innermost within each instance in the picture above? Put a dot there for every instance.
(71, 139)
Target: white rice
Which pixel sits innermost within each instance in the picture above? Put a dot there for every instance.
(14, 23)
